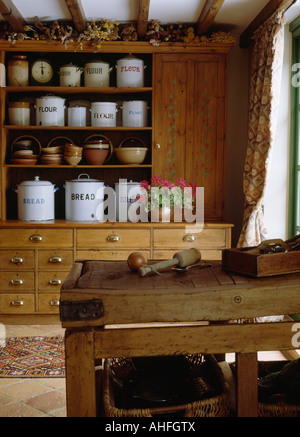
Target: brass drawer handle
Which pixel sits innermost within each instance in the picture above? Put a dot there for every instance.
(17, 281)
(36, 237)
(17, 302)
(113, 238)
(16, 259)
(189, 238)
(55, 281)
(54, 302)
(55, 259)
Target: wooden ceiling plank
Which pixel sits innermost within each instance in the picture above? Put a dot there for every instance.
(271, 7)
(208, 14)
(78, 15)
(143, 15)
(12, 15)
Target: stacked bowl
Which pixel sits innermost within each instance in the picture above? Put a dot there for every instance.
(97, 150)
(72, 153)
(52, 155)
(25, 151)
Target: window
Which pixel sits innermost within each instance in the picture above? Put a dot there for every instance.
(294, 196)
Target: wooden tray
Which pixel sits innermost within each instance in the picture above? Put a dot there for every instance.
(251, 262)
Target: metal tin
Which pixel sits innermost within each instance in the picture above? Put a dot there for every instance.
(96, 74)
(84, 199)
(104, 114)
(130, 72)
(70, 75)
(50, 111)
(36, 200)
(135, 113)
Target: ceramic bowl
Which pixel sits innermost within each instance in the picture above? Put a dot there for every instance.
(95, 156)
(131, 155)
(72, 159)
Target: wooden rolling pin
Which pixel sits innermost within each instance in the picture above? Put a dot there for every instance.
(181, 259)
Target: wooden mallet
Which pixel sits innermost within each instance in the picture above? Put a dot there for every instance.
(181, 259)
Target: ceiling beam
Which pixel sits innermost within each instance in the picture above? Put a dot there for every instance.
(271, 7)
(78, 15)
(143, 15)
(12, 15)
(208, 14)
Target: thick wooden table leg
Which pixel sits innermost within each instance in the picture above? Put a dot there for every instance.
(247, 388)
(80, 373)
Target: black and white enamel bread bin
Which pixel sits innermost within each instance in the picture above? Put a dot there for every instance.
(36, 200)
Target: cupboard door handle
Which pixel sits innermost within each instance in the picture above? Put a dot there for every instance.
(55, 281)
(17, 281)
(55, 259)
(17, 302)
(16, 259)
(113, 238)
(189, 238)
(36, 237)
(54, 302)
(157, 146)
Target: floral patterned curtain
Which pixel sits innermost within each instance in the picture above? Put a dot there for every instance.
(265, 82)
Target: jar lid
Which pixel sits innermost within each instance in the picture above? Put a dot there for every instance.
(69, 65)
(130, 56)
(87, 179)
(103, 103)
(97, 61)
(19, 105)
(50, 97)
(36, 182)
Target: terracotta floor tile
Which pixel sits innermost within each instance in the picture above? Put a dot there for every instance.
(47, 402)
(62, 412)
(8, 381)
(4, 400)
(54, 382)
(18, 409)
(24, 390)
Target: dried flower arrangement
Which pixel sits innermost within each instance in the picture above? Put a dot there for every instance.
(101, 30)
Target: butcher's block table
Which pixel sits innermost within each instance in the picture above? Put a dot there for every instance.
(110, 312)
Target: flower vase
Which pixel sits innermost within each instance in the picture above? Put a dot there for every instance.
(165, 214)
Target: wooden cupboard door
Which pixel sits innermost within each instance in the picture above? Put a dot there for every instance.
(170, 105)
(205, 144)
(189, 124)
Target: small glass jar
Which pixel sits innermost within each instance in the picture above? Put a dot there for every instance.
(18, 71)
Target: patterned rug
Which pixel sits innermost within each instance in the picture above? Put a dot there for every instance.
(32, 357)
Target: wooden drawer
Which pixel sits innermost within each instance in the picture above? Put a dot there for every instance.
(112, 239)
(179, 239)
(17, 303)
(48, 303)
(35, 237)
(17, 281)
(58, 259)
(16, 259)
(117, 255)
(51, 280)
(206, 254)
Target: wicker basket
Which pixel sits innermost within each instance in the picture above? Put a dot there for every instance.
(216, 406)
(266, 409)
